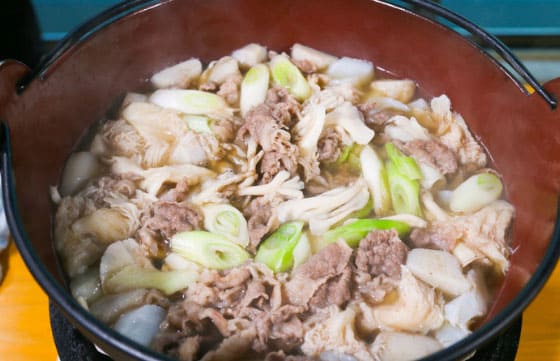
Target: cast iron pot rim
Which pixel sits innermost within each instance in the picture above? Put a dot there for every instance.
(106, 336)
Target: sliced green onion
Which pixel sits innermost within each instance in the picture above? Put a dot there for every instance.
(208, 249)
(404, 165)
(354, 232)
(198, 123)
(343, 157)
(277, 251)
(405, 192)
(194, 102)
(254, 87)
(133, 277)
(364, 212)
(286, 74)
(476, 192)
(302, 251)
(227, 221)
(375, 175)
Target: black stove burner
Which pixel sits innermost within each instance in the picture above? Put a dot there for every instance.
(72, 346)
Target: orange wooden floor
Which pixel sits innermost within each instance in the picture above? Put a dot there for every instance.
(25, 332)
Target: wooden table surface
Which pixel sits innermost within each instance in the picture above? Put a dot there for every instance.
(25, 333)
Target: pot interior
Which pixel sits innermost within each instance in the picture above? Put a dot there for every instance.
(520, 132)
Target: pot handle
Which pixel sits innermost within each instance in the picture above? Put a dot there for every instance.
(11, 71)
(493, 43)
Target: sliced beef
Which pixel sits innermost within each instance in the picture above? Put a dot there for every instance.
(286, 330)
(306, 66)
(220, 289)
(318, 81)
(110, 187)
(178, 193)
(243, 306)
(335, 292)
(273, 162)
(266, 130)
(284, 106)
(328, 147)
(260, 221)
(431, 152)
(281, 356)
(324, 272)
(208, 86)
(189, 348)
(381, 253)
(373, 117)
(232, 347)
(229, 89)
(271, 135)
(164, 219)
(439, 235)
(224, 129)
(170, 218)
(377, 265)
(183, 333)
(373, 289)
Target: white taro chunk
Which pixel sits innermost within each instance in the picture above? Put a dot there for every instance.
(180, 75)
(462, 310)
(80, 168)
(401, 89)
(439, 269)
(141, 324)
(109, 307)
(86, 287)
(318, 58)
(219, 71)
(448, 334)
(250, 55)
(351, 70)
(400, 346)
(133, 98)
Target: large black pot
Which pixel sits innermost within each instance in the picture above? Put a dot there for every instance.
(47, 109)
